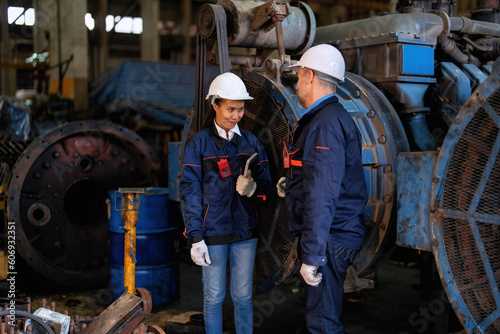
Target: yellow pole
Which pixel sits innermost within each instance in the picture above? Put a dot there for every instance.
(131, 213)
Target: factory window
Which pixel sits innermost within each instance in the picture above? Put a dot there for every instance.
(89, 21)
(126, 24)
(21, 16)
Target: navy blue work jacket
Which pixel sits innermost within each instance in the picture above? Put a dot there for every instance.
(214, 210)
(325, 184)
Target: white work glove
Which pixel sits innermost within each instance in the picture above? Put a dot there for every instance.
(281, 187)
(199, 254)
(310, 274)
(245, 186)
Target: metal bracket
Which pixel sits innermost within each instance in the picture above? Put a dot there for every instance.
(277, 66)
(263, 15)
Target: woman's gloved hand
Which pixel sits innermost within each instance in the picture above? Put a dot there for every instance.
(310, 274)
(199, 254)
(246, 186)
(281, 187)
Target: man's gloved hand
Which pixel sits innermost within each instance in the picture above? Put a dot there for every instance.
(281, 187)
(199, 254)
(310, 274)
(245, 186)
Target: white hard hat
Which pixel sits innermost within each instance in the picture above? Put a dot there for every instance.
(228, 86)
(326, 60)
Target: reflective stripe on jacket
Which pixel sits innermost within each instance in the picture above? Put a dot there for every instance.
(214, 210)
(325, 184)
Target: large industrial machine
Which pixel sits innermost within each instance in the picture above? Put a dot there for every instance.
(422, 86)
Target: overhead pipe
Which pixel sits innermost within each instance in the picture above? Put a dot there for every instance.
(465, 25)
(402, 26)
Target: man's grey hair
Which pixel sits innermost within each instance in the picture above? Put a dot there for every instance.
(327, 78)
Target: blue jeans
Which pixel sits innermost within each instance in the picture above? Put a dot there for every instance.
(241, 263)
(323, 308)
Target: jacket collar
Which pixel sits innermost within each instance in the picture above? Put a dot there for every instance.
(311, 112)
(219, 141)
(308, 115)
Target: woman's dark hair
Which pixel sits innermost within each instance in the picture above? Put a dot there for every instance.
(209, 117)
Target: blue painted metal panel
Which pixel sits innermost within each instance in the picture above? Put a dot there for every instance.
(368, 156)
(455, 85)
(414, 181)
(173, 170)
(488, 69)
(417, 60)
(475, 73)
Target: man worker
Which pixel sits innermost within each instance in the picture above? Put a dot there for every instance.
(325, 187)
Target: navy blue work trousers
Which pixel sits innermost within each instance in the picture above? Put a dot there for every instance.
(323, 308)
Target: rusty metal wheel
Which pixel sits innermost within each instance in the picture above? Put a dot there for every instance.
(155, 330)
(57, 197)
(465, 210)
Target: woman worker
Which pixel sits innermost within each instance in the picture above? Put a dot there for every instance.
(220, 203)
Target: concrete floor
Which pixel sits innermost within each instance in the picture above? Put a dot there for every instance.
(393, 306)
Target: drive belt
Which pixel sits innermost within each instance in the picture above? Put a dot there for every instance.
(210, 18)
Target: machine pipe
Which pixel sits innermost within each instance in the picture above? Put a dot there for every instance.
(414, 118)
(418, 131)
(248, 61)
(451, 49)
(402, 26)
(467, 26)
(491, 47)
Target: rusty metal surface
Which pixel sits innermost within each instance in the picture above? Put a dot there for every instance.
(33, 322)
(22, 315)
(155, 330)
(57, 196)
(130, 202)
(414, 191)
(465, 213)
(123, 316)
(147, 303)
